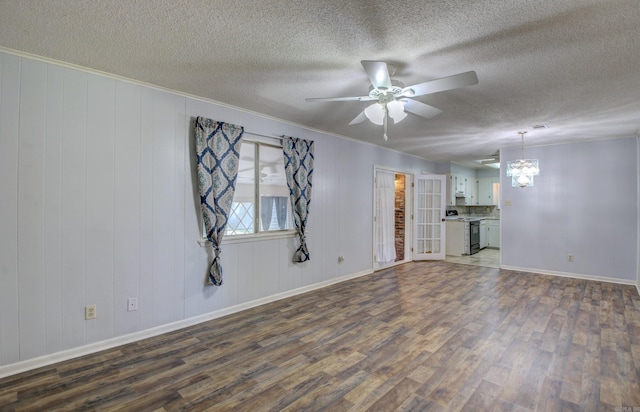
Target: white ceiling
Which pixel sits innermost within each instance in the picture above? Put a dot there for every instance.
(571, 64)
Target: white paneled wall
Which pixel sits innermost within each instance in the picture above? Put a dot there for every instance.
(9, 119)
(52, 274)
(73, 234)
(98, 204)
(126, 204)
(31, 208)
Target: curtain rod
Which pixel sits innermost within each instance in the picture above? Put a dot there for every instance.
(277, 138)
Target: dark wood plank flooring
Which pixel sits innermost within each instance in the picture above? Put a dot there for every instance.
(418, 337)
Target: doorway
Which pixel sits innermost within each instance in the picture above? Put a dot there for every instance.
(392, 218)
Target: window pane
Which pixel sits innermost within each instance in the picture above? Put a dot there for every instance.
(275, 208)
(241, 221)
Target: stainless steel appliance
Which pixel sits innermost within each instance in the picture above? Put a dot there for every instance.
(474, 236)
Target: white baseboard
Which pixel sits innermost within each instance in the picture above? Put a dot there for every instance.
(618, 281)
(46, 360)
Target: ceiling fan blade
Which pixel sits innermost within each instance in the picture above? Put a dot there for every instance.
(340, 99)
(378, 73)
(359, 118)
(420, 109)
(440, 85)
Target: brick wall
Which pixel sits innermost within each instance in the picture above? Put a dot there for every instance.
(400, 215)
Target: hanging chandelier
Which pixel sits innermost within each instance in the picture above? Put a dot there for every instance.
(522, 171)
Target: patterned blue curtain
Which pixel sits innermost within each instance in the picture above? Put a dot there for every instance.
(298, 166)
(218, 151)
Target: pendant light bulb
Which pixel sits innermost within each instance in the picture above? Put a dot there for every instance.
(375, 113)
(396, 110)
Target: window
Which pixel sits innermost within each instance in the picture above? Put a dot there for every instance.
(260, 177)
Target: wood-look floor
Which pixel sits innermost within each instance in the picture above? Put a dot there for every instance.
(418, 337)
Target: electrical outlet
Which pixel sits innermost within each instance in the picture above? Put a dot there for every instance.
(90, 312)
(570, 258)
(132, 304)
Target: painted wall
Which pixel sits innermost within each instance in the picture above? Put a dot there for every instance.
(487, 172)
(584, 203)
(99, 205)
(457, 169)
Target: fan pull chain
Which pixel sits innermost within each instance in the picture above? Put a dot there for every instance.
(385, 121)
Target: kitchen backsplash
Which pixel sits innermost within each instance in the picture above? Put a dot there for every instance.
(479, 211)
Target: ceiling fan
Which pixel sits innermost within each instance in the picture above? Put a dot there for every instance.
(392, 99)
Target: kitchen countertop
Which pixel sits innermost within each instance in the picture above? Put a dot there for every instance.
(468, 218)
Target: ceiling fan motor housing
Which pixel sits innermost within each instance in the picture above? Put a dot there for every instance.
(385, 95)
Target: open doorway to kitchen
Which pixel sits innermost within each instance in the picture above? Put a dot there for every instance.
(486, 209)
(392, 218)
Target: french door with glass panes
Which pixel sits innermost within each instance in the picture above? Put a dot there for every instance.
(429, 225)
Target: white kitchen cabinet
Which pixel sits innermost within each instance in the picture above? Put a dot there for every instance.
(463, 186)
(451, 189)
(486, 192)
(455, 243)
(493, 233)
(472, 191)
(483, 234)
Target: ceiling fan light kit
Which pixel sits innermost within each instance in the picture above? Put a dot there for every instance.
(393, 99)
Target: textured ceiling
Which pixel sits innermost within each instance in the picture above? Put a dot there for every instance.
(571, 64)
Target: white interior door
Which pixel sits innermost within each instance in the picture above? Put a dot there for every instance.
(429, 225)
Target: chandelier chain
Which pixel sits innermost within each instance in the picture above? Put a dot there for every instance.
(522, 147)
